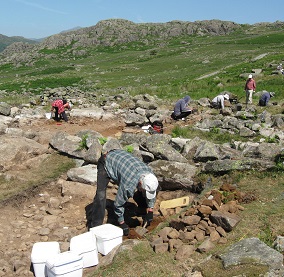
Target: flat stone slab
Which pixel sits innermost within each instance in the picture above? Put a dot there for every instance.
(252, 251)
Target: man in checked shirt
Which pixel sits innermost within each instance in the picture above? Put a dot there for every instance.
(130, 174)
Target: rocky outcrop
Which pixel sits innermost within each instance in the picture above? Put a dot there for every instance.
(252, 251)
(119, 31)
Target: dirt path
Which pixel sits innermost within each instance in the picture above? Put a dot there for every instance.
(22, 218)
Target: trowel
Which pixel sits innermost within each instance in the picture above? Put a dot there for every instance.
(141, 230)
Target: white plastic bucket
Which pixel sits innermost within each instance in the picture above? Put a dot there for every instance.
(48, 115)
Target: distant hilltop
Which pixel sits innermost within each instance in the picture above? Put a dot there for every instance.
(120, 31)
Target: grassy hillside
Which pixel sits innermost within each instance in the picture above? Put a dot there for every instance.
(167, 70)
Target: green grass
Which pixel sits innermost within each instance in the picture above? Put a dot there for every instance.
(142, 261)
(51, 70)
(50, 82)
(167, 70)
(49, 169)
(214, 135)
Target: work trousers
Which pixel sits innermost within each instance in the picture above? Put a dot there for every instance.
(249, 96)
(57, 115)
(262, 103)
(180, 116)
(99, 203)
(215, 105)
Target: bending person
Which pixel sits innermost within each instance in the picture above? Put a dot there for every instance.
(218, 101)
(58, 106)
(264, 98)
(181, 109)
(131, 175)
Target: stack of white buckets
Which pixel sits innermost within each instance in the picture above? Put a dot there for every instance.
(48, 261)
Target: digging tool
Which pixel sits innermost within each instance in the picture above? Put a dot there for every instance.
(141, 230)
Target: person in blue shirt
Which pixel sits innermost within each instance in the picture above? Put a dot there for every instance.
(264, 98)
(131, 175)
(181, 109)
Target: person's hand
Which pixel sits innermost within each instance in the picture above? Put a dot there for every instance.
(148, 219)
(124, 227)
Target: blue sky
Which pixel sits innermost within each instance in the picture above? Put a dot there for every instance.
(42, 18)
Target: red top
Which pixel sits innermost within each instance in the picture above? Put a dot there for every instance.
(59, 104)
(250, 84)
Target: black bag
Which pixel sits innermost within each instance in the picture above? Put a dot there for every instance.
(157, 127)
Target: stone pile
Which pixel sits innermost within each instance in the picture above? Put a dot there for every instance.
(205, 223)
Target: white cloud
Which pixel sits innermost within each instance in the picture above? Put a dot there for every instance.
(35, 5)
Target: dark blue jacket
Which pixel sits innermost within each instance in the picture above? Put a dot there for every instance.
(264, 99)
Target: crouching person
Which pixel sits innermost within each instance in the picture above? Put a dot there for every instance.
(264, 98)
(218, 101)
(58, 107)
(181, 109)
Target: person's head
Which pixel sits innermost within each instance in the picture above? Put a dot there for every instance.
(64, 101)
(149, 183)
(186, 99)
(250, 76)
(272, 94)
(226, 96)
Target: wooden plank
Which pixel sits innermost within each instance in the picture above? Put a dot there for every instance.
(173, 203)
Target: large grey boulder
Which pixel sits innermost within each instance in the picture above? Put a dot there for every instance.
(278, 121)
(208, 123)
(174, 175)
(191, 146)
(85, 174)
(159, 146)
(111, 143)
(16, 150)
(263, 151)
(128, 138)
(68, 144)
(96, 113)
(93, 153)
(222, 166)
(231, 122)
(4, 121)
(146, 105)
(134, 119)
(207, 151)
(252, 251)
(5, 109)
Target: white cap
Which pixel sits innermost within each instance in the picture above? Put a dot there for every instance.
(226, 96)
(250, 76)
(150, 183)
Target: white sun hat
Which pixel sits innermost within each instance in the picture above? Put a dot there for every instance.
(150, 184)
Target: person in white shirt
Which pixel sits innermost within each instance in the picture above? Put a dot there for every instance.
(218, 101)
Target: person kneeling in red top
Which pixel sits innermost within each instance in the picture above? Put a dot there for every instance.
(58, 106)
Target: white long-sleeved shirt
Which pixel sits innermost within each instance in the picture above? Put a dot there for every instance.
(219, 100)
